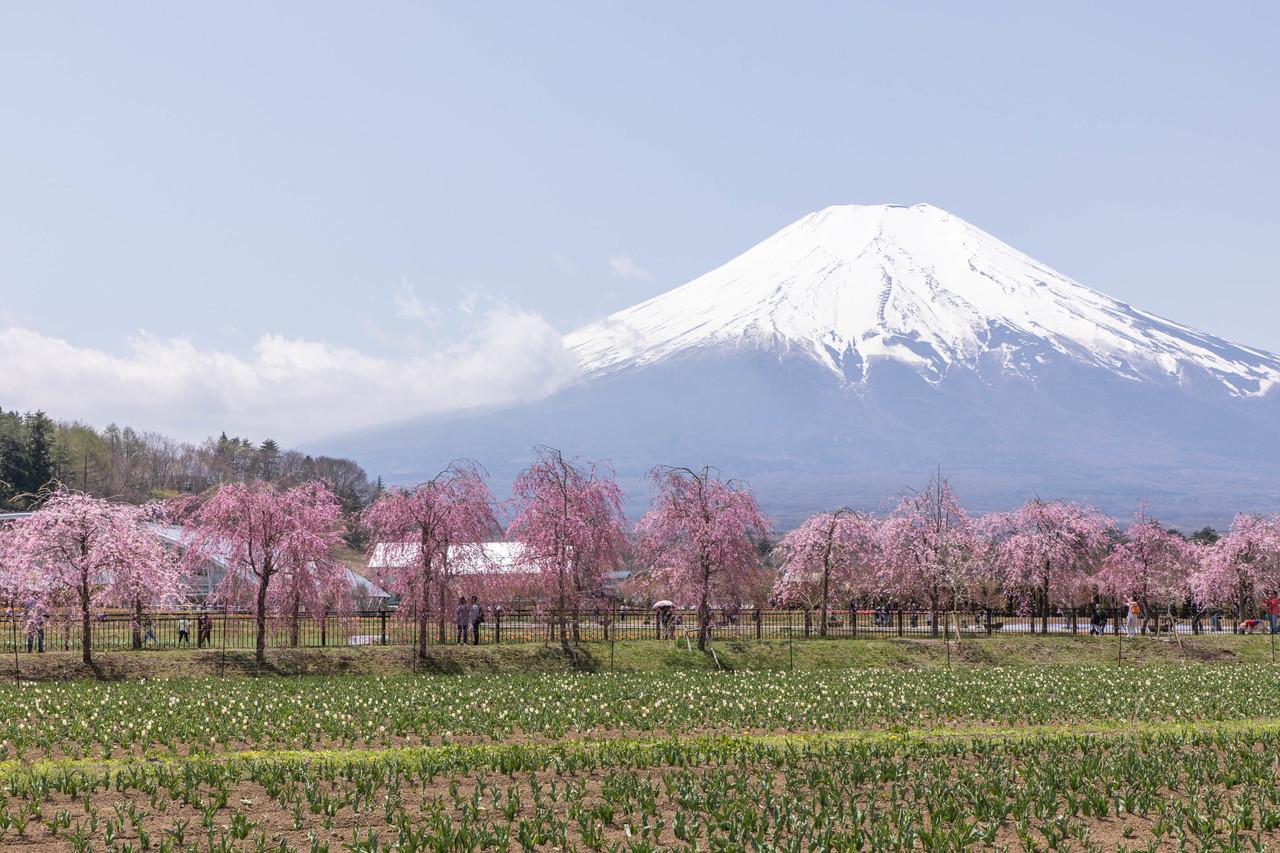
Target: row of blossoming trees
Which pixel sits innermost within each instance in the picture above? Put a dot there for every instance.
(78, 556)
(1040, 557)
(699, 544)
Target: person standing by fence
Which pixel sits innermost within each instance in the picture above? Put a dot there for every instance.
(462, 620)
(35, 634)
(1273, 611)
(1098, 625)
(1131, 625)
(204, 629)
(184, 631)
(477, 617)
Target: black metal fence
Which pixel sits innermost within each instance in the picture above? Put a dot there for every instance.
(238, 629)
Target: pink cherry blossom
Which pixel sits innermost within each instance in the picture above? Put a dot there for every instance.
(1240, 567)
(80, 554)
(277, 544)
(568, 520)
(1149, 565)
(1044, 551)
(417, 526)
(831, 552)
(699, 539)
(928, 546)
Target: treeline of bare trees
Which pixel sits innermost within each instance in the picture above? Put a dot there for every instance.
(136, 466)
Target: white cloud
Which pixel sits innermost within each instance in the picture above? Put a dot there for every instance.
(410, 307)
(288, 388)
(624, 266)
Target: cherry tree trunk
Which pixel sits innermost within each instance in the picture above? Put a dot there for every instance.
(260, 643)
(704, 622)
(822, 617)
(440, 620)
(424, 620)
(1044, 608)
(137, 623)
(86, 624)
(294, 613)
(561, 615)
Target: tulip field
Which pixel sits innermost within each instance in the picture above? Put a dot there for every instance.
(93, 720)
(1062, 757)
(1056, 757)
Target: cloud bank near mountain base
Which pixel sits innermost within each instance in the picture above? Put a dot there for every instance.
(291, 389)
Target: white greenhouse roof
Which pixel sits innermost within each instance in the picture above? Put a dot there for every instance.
(473, 559)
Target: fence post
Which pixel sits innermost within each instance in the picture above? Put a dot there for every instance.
(382, 618)
(497, 626)
(756, 616)
(808, 619)
(899, 623)
(853, 621)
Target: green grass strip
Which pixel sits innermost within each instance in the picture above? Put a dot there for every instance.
(487, 756)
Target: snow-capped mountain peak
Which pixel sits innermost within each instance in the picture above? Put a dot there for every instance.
(853, 285)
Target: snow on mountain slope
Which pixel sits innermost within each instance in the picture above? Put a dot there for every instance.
(852, 285)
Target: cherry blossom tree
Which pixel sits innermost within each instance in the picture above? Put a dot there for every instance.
(80, 554)
(415, 528)
(568, 520)
(830, 551)
(1149, 565)
(1239, 567)
(1044, 550)
(699, 538)
(928, 545)
(277, 542)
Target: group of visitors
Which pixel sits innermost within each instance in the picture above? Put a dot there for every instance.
(1135, 619)
(204, 630)
(468, 618)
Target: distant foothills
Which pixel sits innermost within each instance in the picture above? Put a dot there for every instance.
(124, 464)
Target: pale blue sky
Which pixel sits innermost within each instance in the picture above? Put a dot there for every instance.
(360, 175)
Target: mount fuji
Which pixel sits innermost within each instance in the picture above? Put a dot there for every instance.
(850, 354)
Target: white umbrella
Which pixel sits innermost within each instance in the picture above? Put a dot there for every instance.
(663, 603)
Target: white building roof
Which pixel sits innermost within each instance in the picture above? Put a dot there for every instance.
(473, 559)
(173, 535)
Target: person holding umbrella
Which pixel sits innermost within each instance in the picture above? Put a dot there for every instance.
(663, 610)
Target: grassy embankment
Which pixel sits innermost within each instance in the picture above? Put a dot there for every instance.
(650, 656)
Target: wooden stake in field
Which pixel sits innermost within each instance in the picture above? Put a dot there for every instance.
(1173, 628)
(946, 634)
